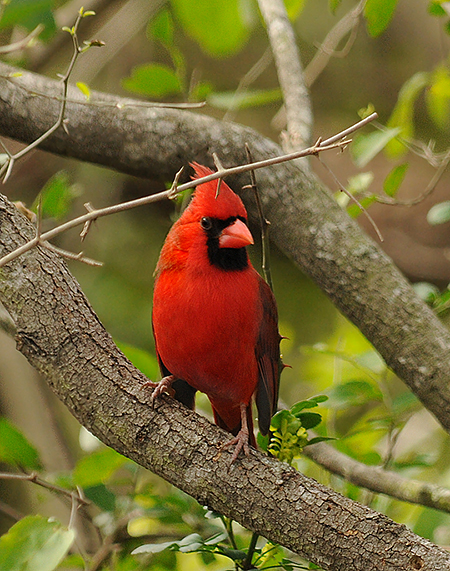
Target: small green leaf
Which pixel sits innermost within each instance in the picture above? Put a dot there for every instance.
(84, 89)
(354, 393)
(35, 543)
(365, 147)
(161, 28)
(220, 28)
(354, 210)
(334, 5)
(294, 8)
(97, 468)
(250, 98)
(437, 97)
(435, 8)
(101, 497)
(378, 14)
(403, 113)
(439, 213)
(309, 419)
(57, 196)
(88, 13)
(154, 80)
(394, 179)
(15, 449)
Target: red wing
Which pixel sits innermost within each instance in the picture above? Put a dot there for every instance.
(268, 357)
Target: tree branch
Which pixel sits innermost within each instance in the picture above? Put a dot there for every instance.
(62, 337)
(378, 480)
(307, 224)
(290, 72)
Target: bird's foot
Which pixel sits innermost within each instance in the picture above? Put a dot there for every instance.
(240, 442)
(158, 388)
(242, 438)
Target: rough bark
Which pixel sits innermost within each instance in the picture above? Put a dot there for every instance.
(307, 224)
(62, 337)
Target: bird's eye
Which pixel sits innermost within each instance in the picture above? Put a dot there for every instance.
(206, 223)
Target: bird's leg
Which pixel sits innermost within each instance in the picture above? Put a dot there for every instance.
(158, 388)
(241, 440)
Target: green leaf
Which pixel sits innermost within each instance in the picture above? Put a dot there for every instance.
(97, 468)
(378, 14)
(437, 97)
(101, 497)
(142, 360)
(28, 14)
(15, 449)
(84, 89)
(250, 98)
(218, 27)
(34, 543)
(334, 5)
(403, 113)
(365, 147)
(154, 80)
(394, 179)
(294, 8)
(439, 213)
(435, 8)
(354, 210)
(354, 393)
(309, 419)
(57, 196)
(161, 28)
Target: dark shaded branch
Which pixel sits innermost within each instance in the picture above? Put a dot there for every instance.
(62, 337)
(306, 223)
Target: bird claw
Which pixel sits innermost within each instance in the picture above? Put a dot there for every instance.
(158, 388)
(240, 442)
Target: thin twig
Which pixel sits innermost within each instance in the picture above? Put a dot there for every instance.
(378, 480)
(426, 193)
(339, 141)
(35, 479)
(354, 199)
(24, 43)
(265, 243)
(347, 24)
(60, 120)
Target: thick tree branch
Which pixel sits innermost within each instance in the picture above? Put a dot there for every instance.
(290, 73)
(307, 224)
(62, 337)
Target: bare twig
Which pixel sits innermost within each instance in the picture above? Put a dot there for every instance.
(426, 193)
(265, 244)
(379, 480)
(339, 141)
(33, 477)
(8, 166)
(354, 199)
(346, 25)
(24, 43)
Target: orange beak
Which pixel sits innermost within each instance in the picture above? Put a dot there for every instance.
(237, 235)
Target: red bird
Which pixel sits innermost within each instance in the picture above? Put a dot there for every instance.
(214, 317)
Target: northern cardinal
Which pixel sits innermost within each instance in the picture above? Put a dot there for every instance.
(214, 317)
